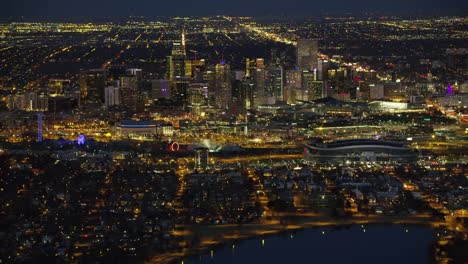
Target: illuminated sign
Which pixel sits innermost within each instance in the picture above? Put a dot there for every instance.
(175, 146)
(81, 139)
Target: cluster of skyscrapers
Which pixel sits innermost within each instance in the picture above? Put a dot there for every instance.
(193, 84)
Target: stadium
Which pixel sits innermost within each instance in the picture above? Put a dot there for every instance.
(359, 151)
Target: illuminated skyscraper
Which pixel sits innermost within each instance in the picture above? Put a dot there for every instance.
(129, 92)
(177, 71)
(223, 93)
(58, 86)
(209, 77)
(112, 96)
(92, 84)
(307, 54)
(274, 85)
(161, 89)
(197, 97)
(314, 89)
(322, 69)
(255, 69)
(176, 62)
(242, 96)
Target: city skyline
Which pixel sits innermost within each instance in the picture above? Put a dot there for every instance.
(233, 138)
(106, 9)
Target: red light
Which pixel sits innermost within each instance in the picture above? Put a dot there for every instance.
(175, 146)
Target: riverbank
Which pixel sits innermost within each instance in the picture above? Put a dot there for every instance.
(206, 237)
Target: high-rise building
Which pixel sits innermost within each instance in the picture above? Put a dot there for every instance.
(194, 69)
(129, 92)
(313, 88)
(395, 91)
(161, 89)
(176, 62)
(92, 84)
(176, 66)
(197, 97)
(322, 69)
(259, 81)
(274, 85)
(307, 54)
(247, 94)
(29, 101)
(252, 65)
(209, 77)
(57, 87)
(223, 93)
(201, 158)
(112, 96)
(376, 92)
(294, 78)
(242, 96)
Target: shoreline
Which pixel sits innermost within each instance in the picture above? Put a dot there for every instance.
(221, 235)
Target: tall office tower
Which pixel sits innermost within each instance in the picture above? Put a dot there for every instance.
(198, 67)
(112, 96)
(92, 83)
(336, 80)
(313, 88)
(161, 89)
(129, 92)
(248, 95)
(242, 96)
(177, 71)
(255, 69)
(197, 97)
(274, 85)
(29, 101)
(183, 43)
(175, 67)
(294, 78)
(179, 91)
(193, 68)
(238, 75)
(252, 65)
(322, 69)
(209, 77)
(223, 92)
(176, 62)
(307, 54)
(42, 102)
(376, 92)
(395, 91)
(58, 87)
(259, 81)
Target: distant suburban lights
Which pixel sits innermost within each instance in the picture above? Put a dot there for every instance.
(81, 139)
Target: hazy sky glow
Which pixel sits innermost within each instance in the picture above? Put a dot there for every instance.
(122, 8)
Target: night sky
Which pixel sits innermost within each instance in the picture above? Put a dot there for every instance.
(59, 9)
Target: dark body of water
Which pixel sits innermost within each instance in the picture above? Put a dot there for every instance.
(354, 244)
